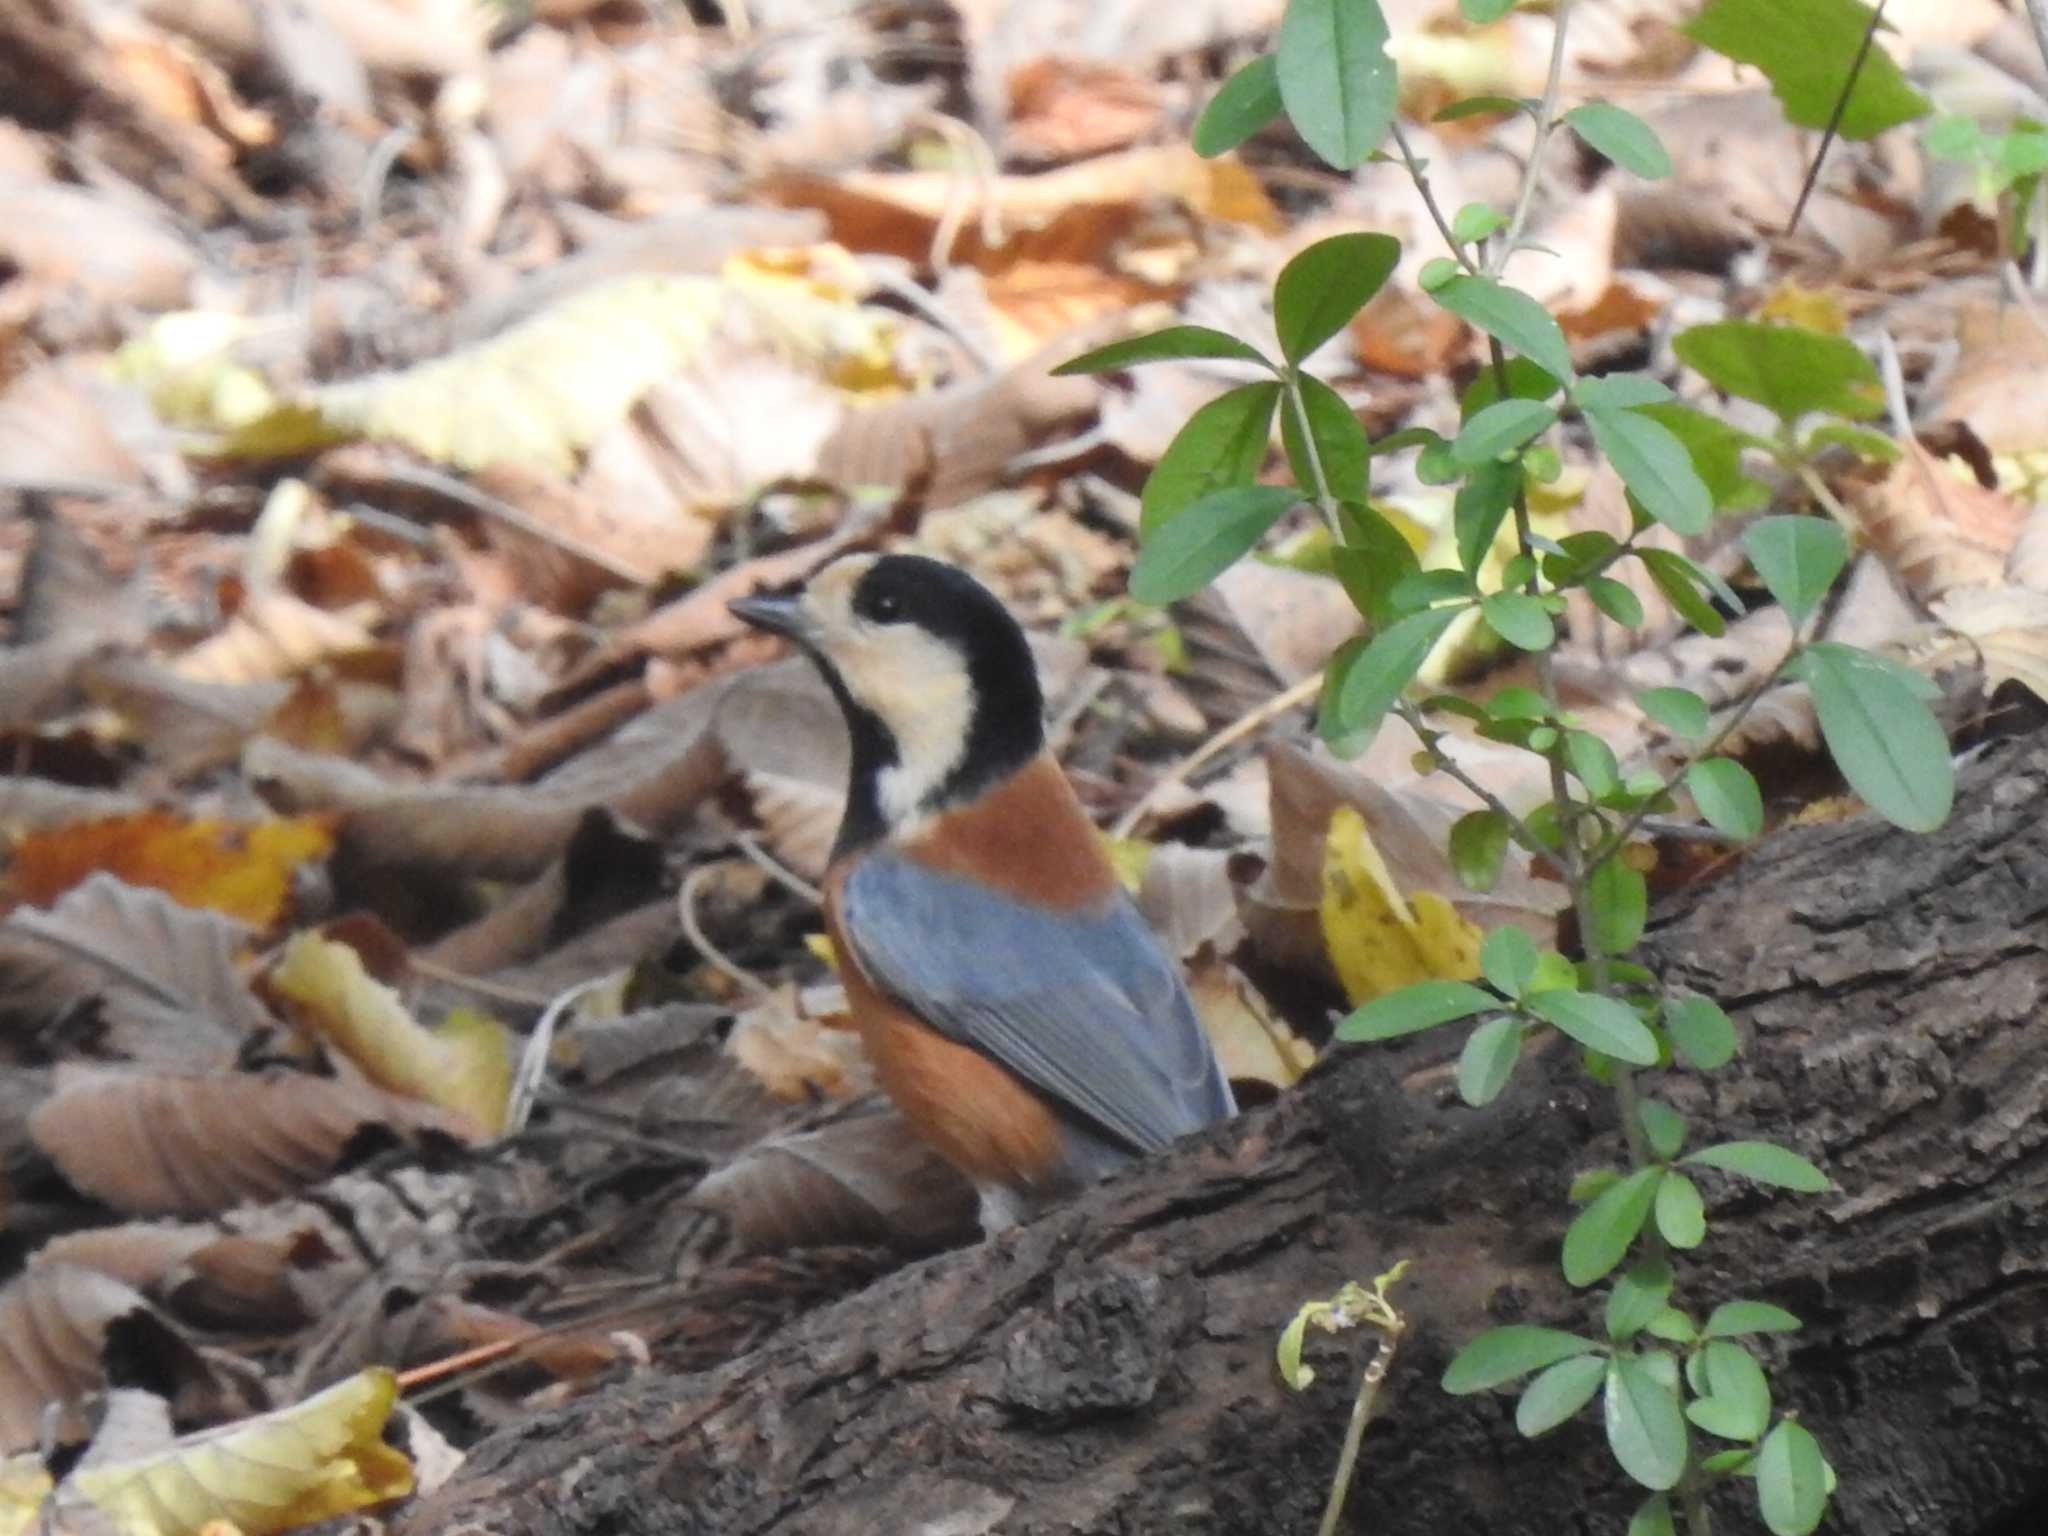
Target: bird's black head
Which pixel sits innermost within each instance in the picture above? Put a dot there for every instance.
(936, 680)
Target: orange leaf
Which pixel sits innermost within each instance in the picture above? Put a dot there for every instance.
(241, 868)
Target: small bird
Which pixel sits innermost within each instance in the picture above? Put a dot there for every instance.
(1016, 1007)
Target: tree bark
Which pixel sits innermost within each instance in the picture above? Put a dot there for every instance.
(1110, 1368)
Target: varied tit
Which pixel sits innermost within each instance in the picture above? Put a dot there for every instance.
(1015, 1005)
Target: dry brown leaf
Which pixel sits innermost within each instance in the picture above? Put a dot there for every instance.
(870, 1179)
(236, 1282)
(55, 1321)
(947, 446)
(244, 870)
(185, 727)
(1062, 108)
(2000, 632)
(1190, 896)
(459, 1325)
(274, 635)
(798, 1058)
(2027, 565)
(1936, 530)
(1252, 1043)
(115, 251)
(190, 1144)
(1998, 385)
(163, 977)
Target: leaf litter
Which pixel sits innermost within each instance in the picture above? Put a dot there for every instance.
(409, 389)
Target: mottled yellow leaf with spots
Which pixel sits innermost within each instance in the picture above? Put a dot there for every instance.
(1380, 940)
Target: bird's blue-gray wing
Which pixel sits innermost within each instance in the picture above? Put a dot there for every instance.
(1085, 1006)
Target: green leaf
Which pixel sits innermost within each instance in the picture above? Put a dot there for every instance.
(1619, 391)
(1733, 1317)
(1488, 1060)
(1663, 1125)
(1421, 1006)
(1645, 1427)
(1615, 600)
(1787, 369)
(1592, 760)
(1620, 900)
(1672, 1325)
(1248, 101)
(1418, 591)
(1373, 560)
(1480, 106)
(1559, 1392)
(1806, 51)
(1798, 559)
(1478, 847)
(1728, 1421)
(1655, 466)
(1791, 1477)
(1716, 449)
(1287, 1354)
(1642, 1292)
(1881, 735)
(1339, 437)
(1222, 445)
(1335, 77)
(1175, 342)
(1371, 683)
(1727, 796)
(1622, 137)
(1674, 576)
(1599, 1235)
(1764, 1161)
(1862, 441)
(1507, 955)
(1681, 1214)
(1479, 508)
(1598, 1023)
(1319, 291)
(1475, 221)
(1501, 428)
(1204, 540)
(1518, 619)
(1526, 381)
(1499, 1355)
(1701, 1033)
(1652, 1518)
(1479, 13)
(1734, 1377)
(1679, 710)
(1510, 316)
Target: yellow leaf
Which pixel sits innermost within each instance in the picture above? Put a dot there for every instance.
(465, 1065)
(1377, 941)
(1251, 1043)
(317, 1459)
(1128, 856)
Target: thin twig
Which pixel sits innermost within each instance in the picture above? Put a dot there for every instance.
(496, 506)
(713, 956)
(1420, 176)
(1827, 139)
(1546, 120)
(1231, 734)
(778, 871)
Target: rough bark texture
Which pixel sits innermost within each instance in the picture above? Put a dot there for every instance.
(1110, 1368)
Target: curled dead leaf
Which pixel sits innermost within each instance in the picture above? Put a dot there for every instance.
(189, 1144)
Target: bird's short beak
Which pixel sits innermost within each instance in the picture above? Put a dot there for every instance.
(783, 616)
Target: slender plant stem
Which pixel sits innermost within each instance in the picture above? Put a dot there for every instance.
(1325, 498)
(1361, 1415)
(1546, 120)
(1419, 174)
(1827, 139)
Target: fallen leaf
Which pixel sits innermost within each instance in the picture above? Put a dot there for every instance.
(463, 1065)
(190, 1144)
(241, 869)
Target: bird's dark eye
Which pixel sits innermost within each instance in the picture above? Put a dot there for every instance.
(882, 607)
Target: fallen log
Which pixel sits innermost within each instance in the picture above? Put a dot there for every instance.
(1110, 1368)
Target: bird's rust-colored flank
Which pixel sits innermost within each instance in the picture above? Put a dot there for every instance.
(1027, 837)
(976, 1115)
